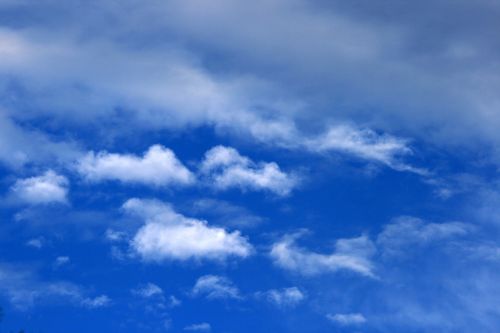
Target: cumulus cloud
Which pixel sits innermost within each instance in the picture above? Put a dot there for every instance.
(347, 318)
(351, 255)
(168, 235)
(226, 168)
(158, 166)
(201, 327)
(406, 232)
(286, 297)
(47, 188)
(215, 287)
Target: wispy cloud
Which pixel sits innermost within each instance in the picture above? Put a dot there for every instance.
(215, 287)
(351, 255)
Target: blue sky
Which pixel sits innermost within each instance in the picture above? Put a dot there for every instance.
(264, 166)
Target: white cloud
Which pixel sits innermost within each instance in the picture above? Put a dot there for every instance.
(17, 148)
(286, 297)
(351, 254)
(35, 242)
(406, 232)
(159, 167)
(148, 290)
(226, 168)
(181, 94)
(364, 144)
(24, 289)
(114, 235)
(215, 287)
(168, 235)
(61, 260)
(201, 327)
(347, 319)
(47, 188)
(97, 302)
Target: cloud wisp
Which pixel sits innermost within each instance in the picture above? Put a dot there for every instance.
(352, 254)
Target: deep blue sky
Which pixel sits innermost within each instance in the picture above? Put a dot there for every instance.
(262, 166)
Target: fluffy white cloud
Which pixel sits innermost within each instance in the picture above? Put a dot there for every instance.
(215, 287)
(351, 254)
(159, 167)
(407, 232)
(168, 235)
(47, 188)
(286, 297)
(347, 319)
(201, 327)
(226, 168)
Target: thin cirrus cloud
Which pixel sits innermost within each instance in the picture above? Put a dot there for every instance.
(352, 254)
(24, 289)
(215, 287)
(167, 235)
(408, 231)
(226, 168)
(347, 319)
(45, 189)
(201, 327)
(158, 167)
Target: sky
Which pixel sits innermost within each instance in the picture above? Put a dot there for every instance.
(249, 166)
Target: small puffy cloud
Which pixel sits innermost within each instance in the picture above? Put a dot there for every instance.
(408, 231)
(351, 254)
(148, 290)
(201, 327)
(47, 188)
(215, 287)
(35, 242)
(168, 235)
(61, 260)
(286, 297)
(347, 319)
(97, 302)
(226, 168)
(158, 167)
(115, 236)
